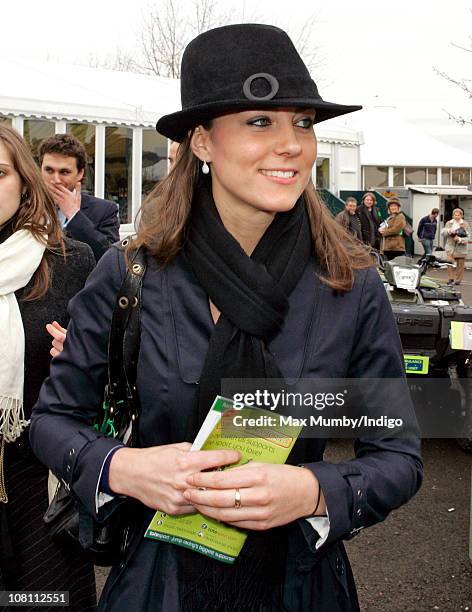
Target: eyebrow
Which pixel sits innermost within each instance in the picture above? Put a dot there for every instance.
(5, 164)
(60, 169)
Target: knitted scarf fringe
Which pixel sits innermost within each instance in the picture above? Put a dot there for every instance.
(12, 418)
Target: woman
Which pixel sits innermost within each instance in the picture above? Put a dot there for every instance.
(248, 276)
(39, 273)
(457, 232)
(393, 241)
(370, 219)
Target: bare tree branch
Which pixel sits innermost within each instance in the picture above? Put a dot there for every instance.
(169, 25)
(303, 38)
(461, 83)
(458, 118)
(468, 49)
(464, 84)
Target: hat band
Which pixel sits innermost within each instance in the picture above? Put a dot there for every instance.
(289, 87)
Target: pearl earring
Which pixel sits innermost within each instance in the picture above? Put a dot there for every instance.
(205, 168)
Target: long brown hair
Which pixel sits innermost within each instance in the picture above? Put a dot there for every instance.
(37, 211)
(165, 212)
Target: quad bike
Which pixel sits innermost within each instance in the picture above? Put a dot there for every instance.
(424, 310)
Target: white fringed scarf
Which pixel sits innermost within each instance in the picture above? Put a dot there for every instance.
(20, 256)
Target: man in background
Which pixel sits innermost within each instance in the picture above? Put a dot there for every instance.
(84, 217)
(427, 228)
(350, 219)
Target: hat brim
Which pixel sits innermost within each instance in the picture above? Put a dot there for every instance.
(177, 125)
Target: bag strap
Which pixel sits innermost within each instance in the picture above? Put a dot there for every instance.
(121, 401)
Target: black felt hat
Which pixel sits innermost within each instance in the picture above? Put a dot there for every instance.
(244, 66)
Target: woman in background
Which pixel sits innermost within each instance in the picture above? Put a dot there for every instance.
(39, 272)
(457, 234)
(391, 230)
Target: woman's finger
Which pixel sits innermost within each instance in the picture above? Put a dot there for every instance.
(59, 327)
(233, 515)
(205, 460)
(228, 479)
(59, 334)
(219, 498)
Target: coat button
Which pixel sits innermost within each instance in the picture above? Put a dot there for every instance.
(359, 512)
(359, 492)
(339, 566)
(72, 451)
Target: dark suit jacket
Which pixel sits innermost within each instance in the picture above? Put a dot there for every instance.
(97, 224)
(369, 237)
(324, 336)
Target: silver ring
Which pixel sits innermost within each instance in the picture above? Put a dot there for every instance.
(237, 499)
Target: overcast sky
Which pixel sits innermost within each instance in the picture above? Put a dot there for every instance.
(374, 51)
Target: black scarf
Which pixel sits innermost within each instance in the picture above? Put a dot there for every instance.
(252, 295)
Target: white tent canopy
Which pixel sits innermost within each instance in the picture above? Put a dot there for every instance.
(73, 92)
(389, 140)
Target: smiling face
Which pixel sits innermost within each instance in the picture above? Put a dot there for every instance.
(368, 201)
(351, 207)
(260, 160)
(61, 170)
(10, 186)
(457, 215)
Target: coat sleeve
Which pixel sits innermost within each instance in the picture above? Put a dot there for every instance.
(445, 229)
(101, 235)
(386, 473)
(341, 218)
(465, 240)
(420, 227)
(396, 226)
(61, 432)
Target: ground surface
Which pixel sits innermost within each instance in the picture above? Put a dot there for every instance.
(417, 560)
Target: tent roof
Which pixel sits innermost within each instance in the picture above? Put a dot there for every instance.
(81, 93)
(390, 140)
(442, 190)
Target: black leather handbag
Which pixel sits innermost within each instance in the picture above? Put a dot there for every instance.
(460, 232)
(107, 541)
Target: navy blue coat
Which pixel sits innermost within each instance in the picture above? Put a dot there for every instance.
(427, 228)
(324, 335)
(97, 224)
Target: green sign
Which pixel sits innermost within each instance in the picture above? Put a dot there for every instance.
(416, 364)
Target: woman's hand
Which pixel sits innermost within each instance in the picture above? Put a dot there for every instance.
(271, 495)
(58, 334)
(382, 231)
(157, 476)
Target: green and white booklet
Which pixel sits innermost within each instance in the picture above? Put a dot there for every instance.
(257, 440)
